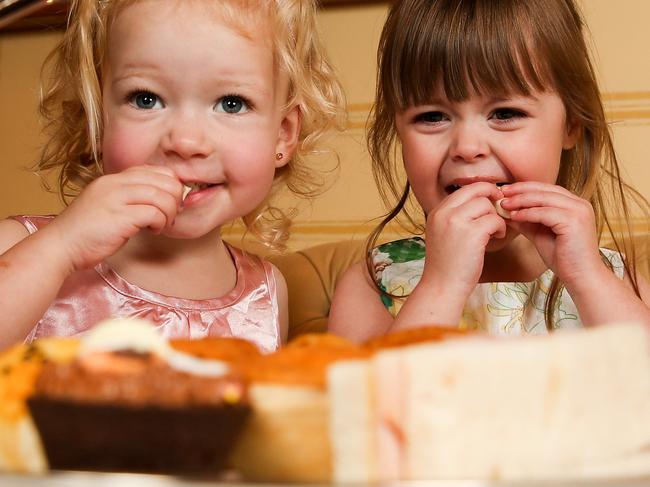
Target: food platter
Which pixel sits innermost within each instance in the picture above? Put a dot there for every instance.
(313, 433)
(99, 479)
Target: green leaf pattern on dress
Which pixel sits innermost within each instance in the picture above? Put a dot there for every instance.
(509, 308)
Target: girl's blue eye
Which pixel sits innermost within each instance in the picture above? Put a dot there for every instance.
(146, 100)
(232, 104)
(431, 117)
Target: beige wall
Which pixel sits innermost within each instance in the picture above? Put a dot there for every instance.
(351, 33)
(21, 56)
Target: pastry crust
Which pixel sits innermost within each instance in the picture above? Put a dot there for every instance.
(304, 361)
(415, 335)
(20, 366)
(231, 350)
(501, 211)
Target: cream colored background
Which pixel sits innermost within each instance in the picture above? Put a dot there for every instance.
(620, 36)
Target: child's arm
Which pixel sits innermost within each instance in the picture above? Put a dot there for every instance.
(104, 216)
(28, 281)
(562, 227)
(457, 233)
(605, 298)
(357, 312)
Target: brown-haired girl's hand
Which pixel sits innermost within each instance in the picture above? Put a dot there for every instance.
(114, 208)
(561, 226)
(458, 231)
(457, 234)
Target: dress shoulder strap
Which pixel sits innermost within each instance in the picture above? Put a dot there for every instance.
(33, 223)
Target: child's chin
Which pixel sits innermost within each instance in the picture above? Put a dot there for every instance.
(182, 232)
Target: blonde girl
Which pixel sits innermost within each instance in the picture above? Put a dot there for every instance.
(493, 111)
(167, 120)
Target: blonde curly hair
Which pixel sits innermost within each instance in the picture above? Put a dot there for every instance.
(71, 98)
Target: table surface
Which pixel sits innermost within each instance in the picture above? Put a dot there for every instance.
(99, 479)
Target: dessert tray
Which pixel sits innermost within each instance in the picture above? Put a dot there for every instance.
(99, 479)
(568, 408)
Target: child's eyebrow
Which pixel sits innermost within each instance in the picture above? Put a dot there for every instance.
(428, 102)
(234, 82)
(240, 82)
(514, 97)
(442, 100)
(134, 71)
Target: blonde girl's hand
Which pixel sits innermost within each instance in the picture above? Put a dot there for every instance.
(114, 208)
(561, 225)
(457, 234)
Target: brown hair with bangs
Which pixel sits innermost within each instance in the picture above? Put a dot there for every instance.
(498, 47)
(71, 98)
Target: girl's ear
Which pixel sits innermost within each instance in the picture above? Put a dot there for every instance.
(288, 135)
(571, 136)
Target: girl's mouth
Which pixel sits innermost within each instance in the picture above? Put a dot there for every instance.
(455, 187)
(191, 188)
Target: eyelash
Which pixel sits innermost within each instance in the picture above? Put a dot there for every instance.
(515, 114)
(244, 99)
(421, 118)
(130, 97)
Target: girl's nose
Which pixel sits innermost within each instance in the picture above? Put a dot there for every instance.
(187, 138)
(469, 144)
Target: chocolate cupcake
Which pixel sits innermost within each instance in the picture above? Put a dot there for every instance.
(144, 409)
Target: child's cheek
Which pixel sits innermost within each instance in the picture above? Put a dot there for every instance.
(249, 159)
(121, 150)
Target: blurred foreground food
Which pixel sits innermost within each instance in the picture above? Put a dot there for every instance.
(430, 403)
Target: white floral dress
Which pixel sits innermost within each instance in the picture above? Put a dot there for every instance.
(499, 308)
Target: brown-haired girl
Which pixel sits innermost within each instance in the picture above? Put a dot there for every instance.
(495, 110)
(169, 119)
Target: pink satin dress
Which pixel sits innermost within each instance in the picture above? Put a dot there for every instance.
(249, 311)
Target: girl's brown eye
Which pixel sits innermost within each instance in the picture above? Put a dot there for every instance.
(507, 114)
(431, 117)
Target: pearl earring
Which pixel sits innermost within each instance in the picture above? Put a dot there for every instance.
(279, 156)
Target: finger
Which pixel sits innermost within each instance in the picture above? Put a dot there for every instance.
(461, 218)
(472, 191)
(480, 230)
(559, 221)
(159, 176)
(492, 225)
(144, 194)
(548, 199)
(147, 216)
(532, 186)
